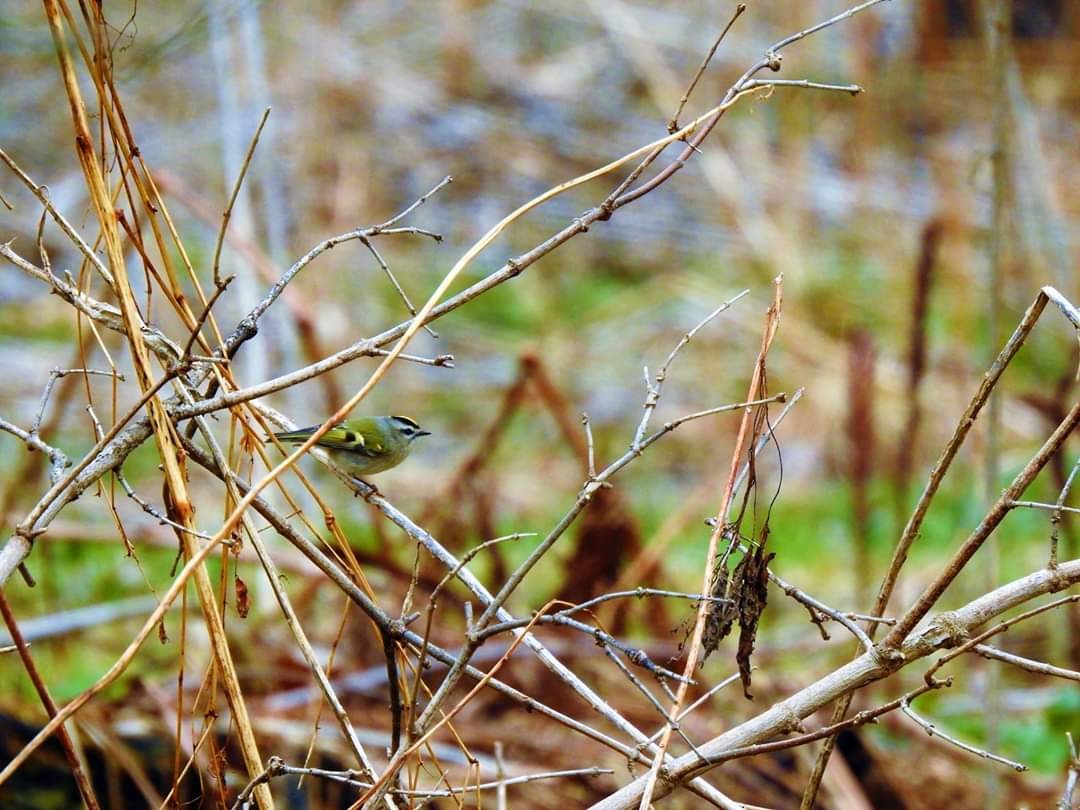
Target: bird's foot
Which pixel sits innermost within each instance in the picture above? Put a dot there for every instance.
(365, 490)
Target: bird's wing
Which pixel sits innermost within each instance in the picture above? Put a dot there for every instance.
(337, 438)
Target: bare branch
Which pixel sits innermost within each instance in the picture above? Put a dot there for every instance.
(851, 89)
(1068, 309)
(41, 192)
(1037, 667)
(653, 392)
(1056, 518)
(590, 450)
(387, 227)
(276, 767)
(105, 314)
(248, 327)
(933, 730)
(58, 461)
(55, 375)
(868, 668)
(227, 214)
(393, 280)
(1071, 778)
(906, 623)
(1051, 507)
(911, 529)
(673, 124)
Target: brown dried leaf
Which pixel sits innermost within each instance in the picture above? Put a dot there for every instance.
(720, 615)
(753, 578)
(243, 601)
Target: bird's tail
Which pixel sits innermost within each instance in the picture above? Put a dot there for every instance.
(295, 436)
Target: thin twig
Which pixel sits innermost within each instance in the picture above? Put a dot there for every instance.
(1056, 518)
(1068, 309)
(227, 214)
(813, 604)
(439, 361)
(277, 767)
(55, 375)
(1038, 667)
(638, 593)
(430, 611)
(1052, 507)
(248, 326)
(155, 513)
(1001, 627)
(366, 242)
(673, 725)
(704, 697)
(813, 29)
(602, 637)
(58, 461)
(220, 286)
(41, 192)
(852, 89)
(1072, 777)
(911, 531)
(591, 465)
(863, 617)
(82, 779)
(653, 392)
(384, 227)
(934, 731)
(861, 718)
(673, 124)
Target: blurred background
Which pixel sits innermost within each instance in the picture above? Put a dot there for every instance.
(912, 224)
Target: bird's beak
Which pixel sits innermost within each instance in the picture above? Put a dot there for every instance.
(420, 433)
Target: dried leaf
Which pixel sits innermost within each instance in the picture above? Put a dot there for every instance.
(243, 601)
(720, 616)
(753, 577)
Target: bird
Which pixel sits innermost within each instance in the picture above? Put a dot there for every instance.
(365, 445)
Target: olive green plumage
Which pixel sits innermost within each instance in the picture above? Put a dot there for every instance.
(365, 445)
